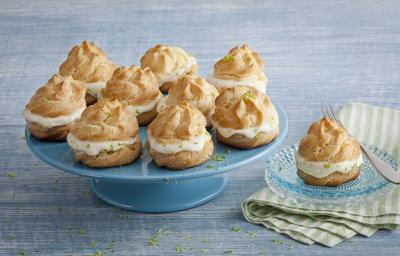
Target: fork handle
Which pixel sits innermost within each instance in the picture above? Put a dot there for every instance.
(383, 168)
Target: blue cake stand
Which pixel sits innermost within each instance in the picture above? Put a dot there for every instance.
(145, 187)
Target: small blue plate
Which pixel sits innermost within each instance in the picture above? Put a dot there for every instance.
(196, 185)
(281, 176)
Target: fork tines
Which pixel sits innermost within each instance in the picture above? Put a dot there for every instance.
(328, 112)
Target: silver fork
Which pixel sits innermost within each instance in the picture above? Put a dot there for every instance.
(383, 168)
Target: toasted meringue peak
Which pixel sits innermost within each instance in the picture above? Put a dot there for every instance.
(176, 123)
(243, 107)
(168, 62)
(106, 120)
(240, 62)
(328, 141)
(60, 96)
(86, 62)
(132, 85)
(195, 90)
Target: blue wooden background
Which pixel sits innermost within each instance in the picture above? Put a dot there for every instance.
(315, 52)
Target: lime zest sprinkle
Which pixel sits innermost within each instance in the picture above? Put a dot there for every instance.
(11, 175)
(218, 157)
(228, 251)
(180, 249)
(277, 241)
(204, 251)
(235, 229)
(248, 95)
(97, 253)
(258, 135)
(228, 58)
(327, 165)
(155, 239)
(251, 234)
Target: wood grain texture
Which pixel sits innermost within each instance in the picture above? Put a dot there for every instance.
(316, 52)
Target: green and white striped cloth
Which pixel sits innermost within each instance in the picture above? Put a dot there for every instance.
(329, 226)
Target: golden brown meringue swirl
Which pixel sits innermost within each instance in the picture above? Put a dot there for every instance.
(166, 61)
(132, 85)
(176, 123)
(195, 90)
(106, 120)
(242, 107)
(60, 96)
(86, 62)
(240, 62)
(328, 141)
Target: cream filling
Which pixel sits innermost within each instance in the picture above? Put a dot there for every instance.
(49, 122)
(251, 132)
(164, 78)
(94, 89)
(251, 81)
(195, 144)
(93, 148)
(139, 109)
(322, 169)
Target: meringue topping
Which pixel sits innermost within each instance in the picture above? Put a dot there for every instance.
(181, 125)
(88, 63)
(240, 67)
(328, 141)
(59, 102)
(195, 90)
(168, 62)
(107, 120)
(135, 86)
(244, 110)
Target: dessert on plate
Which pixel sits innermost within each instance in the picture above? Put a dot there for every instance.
(136, 87)
(169, 63)
(195, 90)
(53, 109)
(327, 155)
(106, 135)
(178, 138)
(245, 118)
(88, 63)
(239, 67)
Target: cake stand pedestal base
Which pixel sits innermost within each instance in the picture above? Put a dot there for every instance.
(160, 197)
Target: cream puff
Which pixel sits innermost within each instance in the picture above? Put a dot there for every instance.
(240, 67)
(195, 90)
(169, 63)
(245, 118)
(178, 138)
(53, 109)
(136, 87)
(106, 135)
(88, 63)
(327, 155)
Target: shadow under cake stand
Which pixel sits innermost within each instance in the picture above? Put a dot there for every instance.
(145, 187)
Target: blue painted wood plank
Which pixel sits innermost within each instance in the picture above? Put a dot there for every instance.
(315, 52)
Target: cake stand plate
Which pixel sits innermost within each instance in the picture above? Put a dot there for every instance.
(145, 187)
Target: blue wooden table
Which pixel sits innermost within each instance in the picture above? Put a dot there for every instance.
(315, 52)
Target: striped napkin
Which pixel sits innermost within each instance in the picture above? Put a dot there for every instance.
(329, 226)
